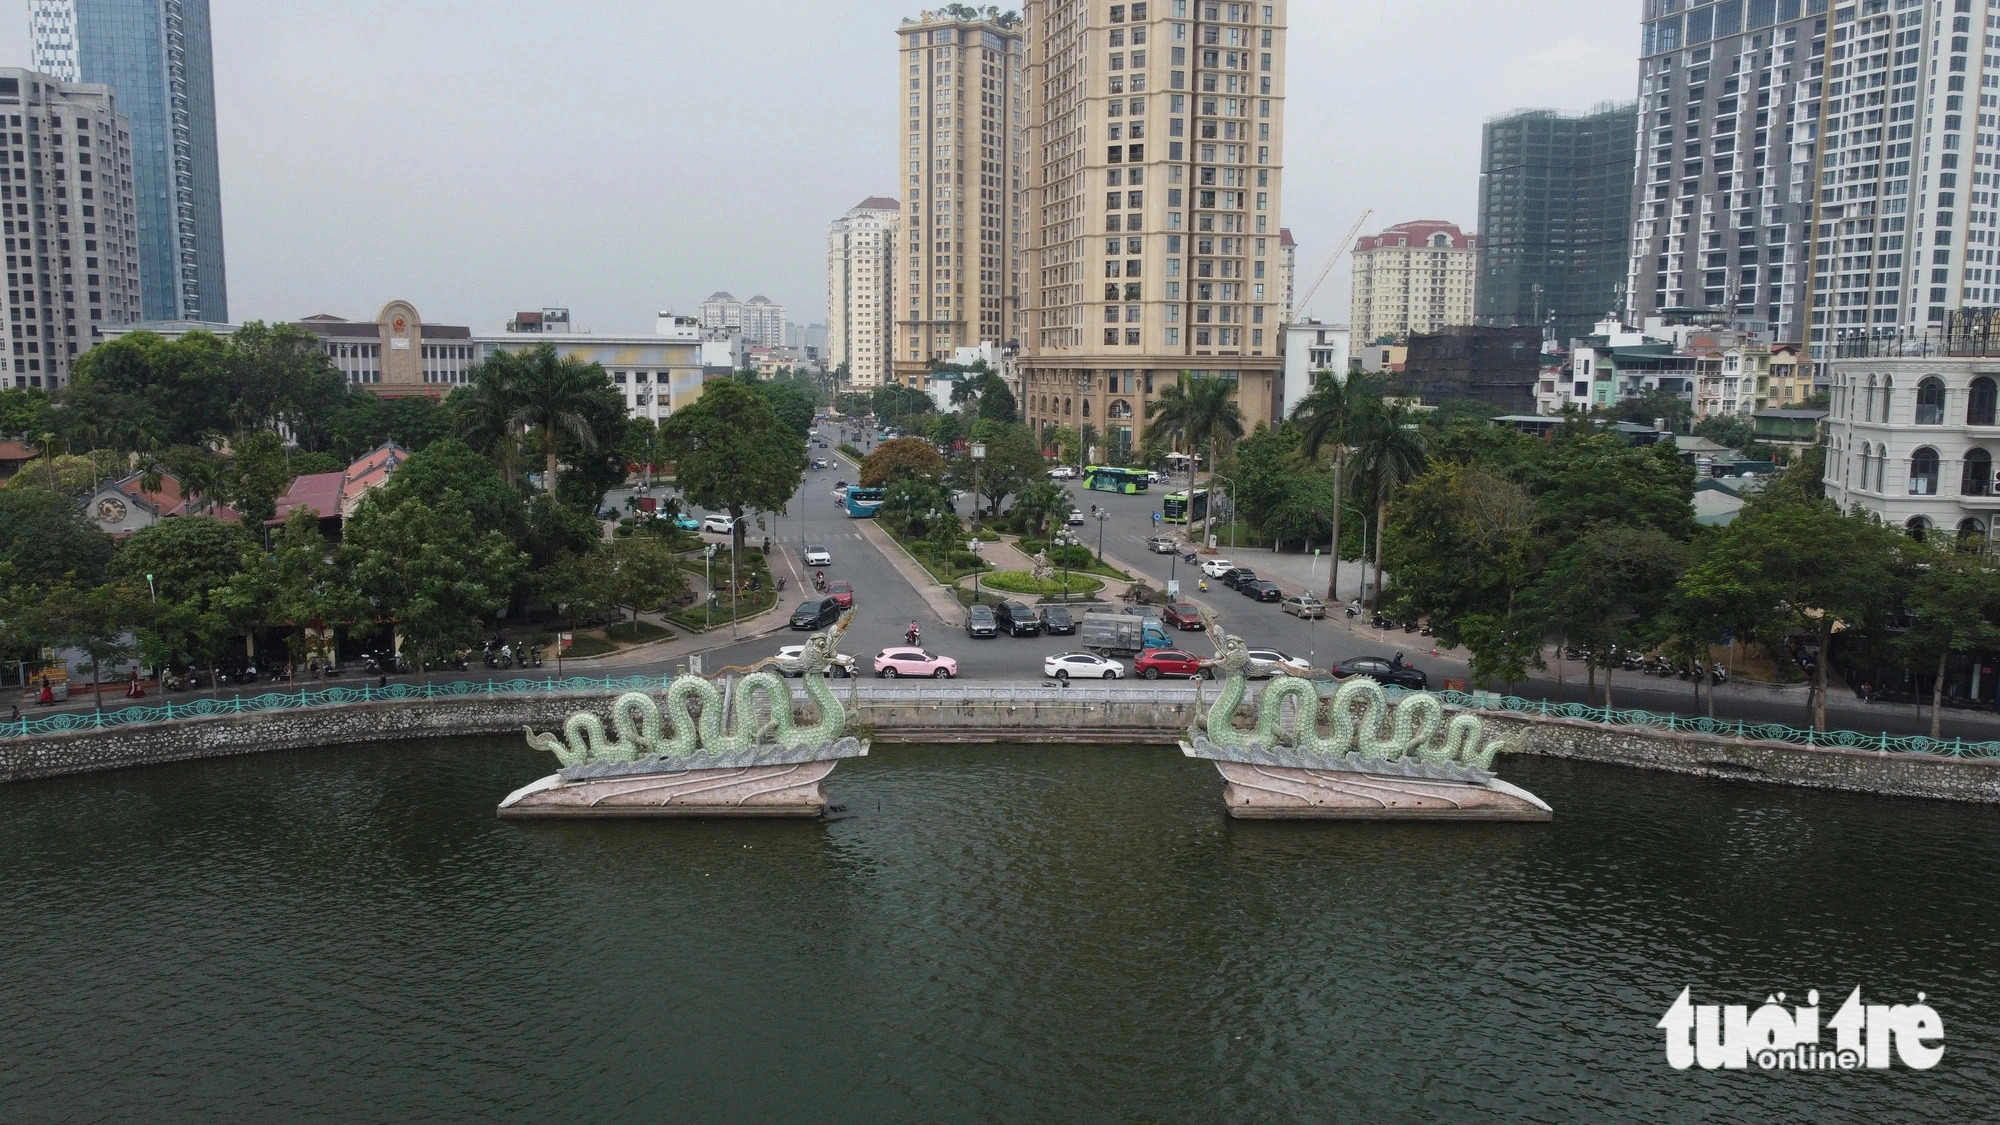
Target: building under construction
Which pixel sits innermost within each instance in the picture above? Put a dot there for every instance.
(1555, 217)
(1497, 366)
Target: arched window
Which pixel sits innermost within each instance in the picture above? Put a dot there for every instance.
(1867, 452)
(1888, 397)
(1969, 529)
(1881, 468)
(1868, 413)
(1086, 408)
(1977, 479)
(1918, 527)
(1119, 409)
(1930, 401)
(1979, 405)
(1066, 407)
(1924, 472)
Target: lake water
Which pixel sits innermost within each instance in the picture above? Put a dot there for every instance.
(994, 934)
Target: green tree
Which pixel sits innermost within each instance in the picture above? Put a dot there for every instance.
(895, 402)
(578, 583)
(1197, 414)
(562, 398)
(1462, 541)
(1389, 451)
(1039, 502)
(85, 616)
(23, 410)
(1801, 566)
(180, 565)
(1725, 429)
(451, 467)
(996, 401)
(645, 444)
(432, 570)
(304, 583)
(903, 459)
(1587, 478)
(73, 475)
(1654, 406)
(1013, 460)
(258, 475)
(43, 537)
(795, 405)
(1953, 600)
(482, 413)
(1326, 417)
(734, 454)
(1611, 589)
(643, 575)
(853, 404)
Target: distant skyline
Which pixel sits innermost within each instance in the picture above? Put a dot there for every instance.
(625, 158)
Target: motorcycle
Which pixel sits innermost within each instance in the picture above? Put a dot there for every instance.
(535, 656)
(914, 637)
(1190, 557)
(1718, 675)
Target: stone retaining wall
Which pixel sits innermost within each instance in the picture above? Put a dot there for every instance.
(1074, 717)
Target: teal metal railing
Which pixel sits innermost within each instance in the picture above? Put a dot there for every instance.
(170, 711)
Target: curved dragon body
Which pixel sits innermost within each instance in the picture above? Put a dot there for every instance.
(637, 720)
(1378, 733)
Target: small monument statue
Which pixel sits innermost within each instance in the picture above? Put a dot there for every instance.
(1375, 761)
(687, 759)
(1043, 572)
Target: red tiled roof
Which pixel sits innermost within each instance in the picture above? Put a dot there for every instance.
(319, 491)
(17, 451)
(1285, 237)
(1417, 234)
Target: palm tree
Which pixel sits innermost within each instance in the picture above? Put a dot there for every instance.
(483, 410)
(1327, 417)
(1041, 501)
(1389, 450)
(558, 396)
(1200, 413)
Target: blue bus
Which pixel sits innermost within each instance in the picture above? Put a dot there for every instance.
(1102, 478)
(864, 503)
(1179, 509)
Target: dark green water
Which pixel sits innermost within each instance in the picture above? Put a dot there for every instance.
(997, 935)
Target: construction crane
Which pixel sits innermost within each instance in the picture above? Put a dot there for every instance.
(1332, 260)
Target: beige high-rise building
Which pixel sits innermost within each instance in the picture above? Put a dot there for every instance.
(959, 267)
(860, 290)
(1413, 277)
(1157, 129)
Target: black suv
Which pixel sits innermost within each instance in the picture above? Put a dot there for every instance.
(1016, 620)
(1236, 578)
(816, 613)
(1057, 621)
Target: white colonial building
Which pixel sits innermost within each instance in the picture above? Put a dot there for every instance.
(1913, 441)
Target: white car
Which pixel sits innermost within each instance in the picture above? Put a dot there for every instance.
(818, 555)
(1267, 662)
(1062, 472)
(1216, 568)
(1082, 666)
(1156, 478)
(790, 657)
(717, 525)
(1075, 517)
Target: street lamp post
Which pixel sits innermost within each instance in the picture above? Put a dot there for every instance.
(1102, 517)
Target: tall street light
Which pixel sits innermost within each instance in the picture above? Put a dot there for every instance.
(978, 456)
(1102, 517)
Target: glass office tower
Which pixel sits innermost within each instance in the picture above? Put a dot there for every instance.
(156, 54)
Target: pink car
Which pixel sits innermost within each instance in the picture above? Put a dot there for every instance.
(896, 662)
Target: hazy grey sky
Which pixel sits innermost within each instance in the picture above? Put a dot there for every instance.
(622, 157)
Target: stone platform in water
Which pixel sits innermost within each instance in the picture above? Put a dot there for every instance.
(784, 790)
(1263, 792)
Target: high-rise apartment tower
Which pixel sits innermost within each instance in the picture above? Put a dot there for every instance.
(962, 159)
(67, 207)
(1155, 195)
(1413, 277)
(860, 290)
(156, 56)
(1555, 218)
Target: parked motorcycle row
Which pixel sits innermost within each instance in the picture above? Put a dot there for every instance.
(1632, 660)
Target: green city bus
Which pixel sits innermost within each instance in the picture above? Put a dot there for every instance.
(1179, 510)
(1102, 478)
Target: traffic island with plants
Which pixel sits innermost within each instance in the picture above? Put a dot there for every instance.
(1080, 559)
(1082, 587)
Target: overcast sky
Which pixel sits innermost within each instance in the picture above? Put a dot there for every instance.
(621, 157)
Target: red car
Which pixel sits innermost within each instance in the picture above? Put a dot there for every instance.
(842, 592)
(1171, 662)
(1183, 616)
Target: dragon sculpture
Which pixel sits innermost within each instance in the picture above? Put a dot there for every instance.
(1412, 735)
(640, 726)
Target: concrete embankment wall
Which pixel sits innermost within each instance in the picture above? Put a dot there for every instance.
(1077, 716)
